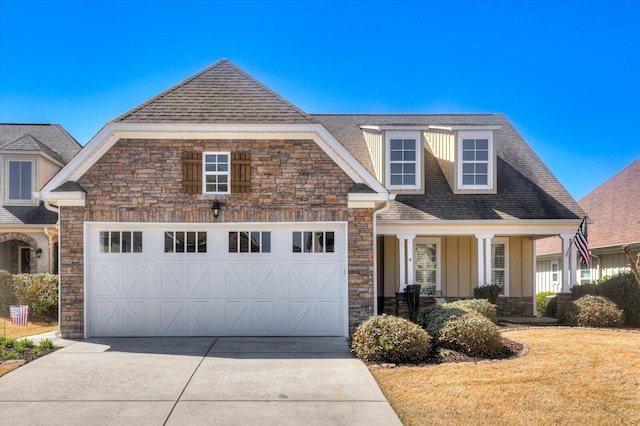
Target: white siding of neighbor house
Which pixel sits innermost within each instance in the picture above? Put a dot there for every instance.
(543, 276)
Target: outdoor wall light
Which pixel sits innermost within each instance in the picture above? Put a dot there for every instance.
(216, 208)
(38, 253)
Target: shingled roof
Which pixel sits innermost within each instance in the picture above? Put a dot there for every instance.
(526, 189)
(49, 138)
(221, 93)
(614, 207)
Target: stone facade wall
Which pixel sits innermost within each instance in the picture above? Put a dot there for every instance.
(515, 307)
(139, 180)
(18, 239)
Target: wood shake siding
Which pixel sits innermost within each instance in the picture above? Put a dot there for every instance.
(140, 180)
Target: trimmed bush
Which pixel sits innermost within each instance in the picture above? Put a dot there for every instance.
(462, 330)
(40, 292)
(551, 310)
(387, 338)
(7, 295)
(594, 311)
(481, 306)
(490, 292)
(577, 291)
(541, 302)
(624, 291)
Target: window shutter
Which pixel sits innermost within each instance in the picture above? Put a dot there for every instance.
(240, 172)
(192, 172)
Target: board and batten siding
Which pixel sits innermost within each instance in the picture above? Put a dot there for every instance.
(459, 266)
(375, 143)
(543, 276)
(443, 146)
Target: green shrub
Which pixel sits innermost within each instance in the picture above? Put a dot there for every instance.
(551, 310)
(594, 311)
(46, 344)
(490, 292)
(40, 292)
(9, 354)
(387, 338)
(481, 306)
(577, 291)
(624, 291)
(7, 295)
(464, 330)
(541, 302)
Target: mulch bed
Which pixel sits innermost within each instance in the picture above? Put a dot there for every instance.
(28, 355)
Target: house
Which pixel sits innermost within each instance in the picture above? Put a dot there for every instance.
(613, 209)
(219, 208)
(30, 155)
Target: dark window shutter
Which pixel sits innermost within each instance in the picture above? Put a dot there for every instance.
(192, 172)
(240, 172)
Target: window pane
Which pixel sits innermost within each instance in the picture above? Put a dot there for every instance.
(396, 180)
(497, 255)
(266, 242)
(329, 246)
(497, 277)
(115, 242)
(468, 156)
(223, 158)
(481, 169)
(202, 242)
(244, 242)
(104, 242)
(137, 242)
(482, 156)
(308, 241)
(410, 144)
(468, 180)
(396, 156)
(255, 242)
(482, 144)
(179, 242)
(191, 242)
(396, 144)
(297, 242)
(396, 169)
(409, 180)
(469, 144)
(126, 242)
(210, 158)
(168, 242)
(25, 180)
(233, 242)
(468, 168)
(481, 180)
(318, 243)
(222, 187)
(410, 155)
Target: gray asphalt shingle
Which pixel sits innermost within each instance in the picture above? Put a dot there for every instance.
(50, 138)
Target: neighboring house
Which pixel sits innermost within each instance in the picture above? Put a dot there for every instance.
(219, 208)
(30, 155)
(613, 209)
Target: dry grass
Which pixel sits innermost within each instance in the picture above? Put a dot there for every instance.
(14, 331)
(569, 376)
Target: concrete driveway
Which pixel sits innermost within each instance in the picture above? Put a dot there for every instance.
(177, 381)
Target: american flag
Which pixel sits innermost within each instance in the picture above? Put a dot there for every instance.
(581, 243)
(19, 314)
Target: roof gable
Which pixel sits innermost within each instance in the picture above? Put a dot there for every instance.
(49, 138)
(221, 93)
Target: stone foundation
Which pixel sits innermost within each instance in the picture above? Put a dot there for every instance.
(515, 307)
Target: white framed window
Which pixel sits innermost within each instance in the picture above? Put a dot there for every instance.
(475, 164)
(555, 272)
(427, 265)
(120, 241)
(20, 178)
(404, 160)
(249, 242)
(585, 274)
(313, 242)
(216, 175)
(185, 242)
(500, 264)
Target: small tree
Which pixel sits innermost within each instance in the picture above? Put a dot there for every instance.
(634, 264)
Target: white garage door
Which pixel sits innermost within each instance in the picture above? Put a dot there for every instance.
(216, 280)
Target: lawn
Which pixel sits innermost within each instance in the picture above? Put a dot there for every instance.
(569, 376)
(15, 331)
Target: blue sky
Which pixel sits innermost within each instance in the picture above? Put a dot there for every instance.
(567, 73)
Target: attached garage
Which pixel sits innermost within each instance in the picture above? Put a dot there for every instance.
(261, 279)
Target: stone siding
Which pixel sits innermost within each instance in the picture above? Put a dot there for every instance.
(139, 180)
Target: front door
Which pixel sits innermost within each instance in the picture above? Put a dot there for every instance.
(427, 265)
(24, 260)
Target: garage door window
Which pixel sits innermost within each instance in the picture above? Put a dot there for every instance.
(185, 242)
(120, 242)
(249, 242)
(313, 242)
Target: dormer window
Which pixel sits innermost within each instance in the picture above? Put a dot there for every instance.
(403, 165)
(475, 165)
(20, 178)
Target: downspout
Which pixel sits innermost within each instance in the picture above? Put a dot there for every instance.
(375, 250)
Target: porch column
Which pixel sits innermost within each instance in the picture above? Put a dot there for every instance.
(566, 240)
(411, 277)
(484, 259)
(573, 272)
(404, 263)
